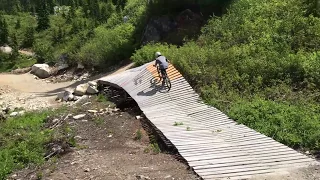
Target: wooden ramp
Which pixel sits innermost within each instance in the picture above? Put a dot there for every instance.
(215, 146)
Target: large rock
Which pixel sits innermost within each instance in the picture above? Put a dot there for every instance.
(81, 89)
(92, 90)
(65, 96)
(92, 83)
(6, 49)
(80, 66)
(41, 70)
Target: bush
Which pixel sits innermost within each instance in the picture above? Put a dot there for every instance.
(109, 46)
(147, 53)
(44, 51)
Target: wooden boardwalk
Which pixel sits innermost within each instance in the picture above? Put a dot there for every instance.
(215, 146)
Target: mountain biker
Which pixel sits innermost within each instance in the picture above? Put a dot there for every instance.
(163, 64)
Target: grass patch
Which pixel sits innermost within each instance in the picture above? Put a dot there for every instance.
(23, 61)
(138, 135)
(98, 121)
(23, 140)
(178, 123)
(101, 98)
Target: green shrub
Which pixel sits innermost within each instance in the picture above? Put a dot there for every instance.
(294, 125)
(43, 50)
(109, 46)
(147, 53)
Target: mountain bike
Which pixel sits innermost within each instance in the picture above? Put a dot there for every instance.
(164, 77)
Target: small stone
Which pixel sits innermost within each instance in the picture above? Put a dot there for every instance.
(55, 121)
(78, 137)
(142, 177)
(21, 112)
(80, 116)
(84, 120)
(307, 152)
(87, 170)
(87, 103)
(167, 177)
(116, 109)
(138, 117)
(14, 114)
(93, 111)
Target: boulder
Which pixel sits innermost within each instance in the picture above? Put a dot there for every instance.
(81, 99)
(92, 90)
(41, 70)
(65, 96)
(6, 49)
(92, 83)
(81, 89)
(80, 66)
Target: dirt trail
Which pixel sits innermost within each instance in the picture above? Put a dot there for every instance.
(25, 91)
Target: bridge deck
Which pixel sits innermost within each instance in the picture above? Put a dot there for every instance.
(215, 146)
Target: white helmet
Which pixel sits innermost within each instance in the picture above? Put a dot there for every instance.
(157, 54)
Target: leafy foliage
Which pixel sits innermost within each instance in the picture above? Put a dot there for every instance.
(259, 63)
(108, 45)
(297, 125)
(22, 142)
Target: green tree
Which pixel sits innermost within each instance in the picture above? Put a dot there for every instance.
(15, 48)
(313, 7)
(43, 17)
(18, 24)
(28, 37)
(4, 33)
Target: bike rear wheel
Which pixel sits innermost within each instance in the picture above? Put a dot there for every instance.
(168, 83)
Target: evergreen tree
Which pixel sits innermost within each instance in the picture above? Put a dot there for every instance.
(4, 33)
(43, 17)
(18, 24)
(28, 38)
(15, 48)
